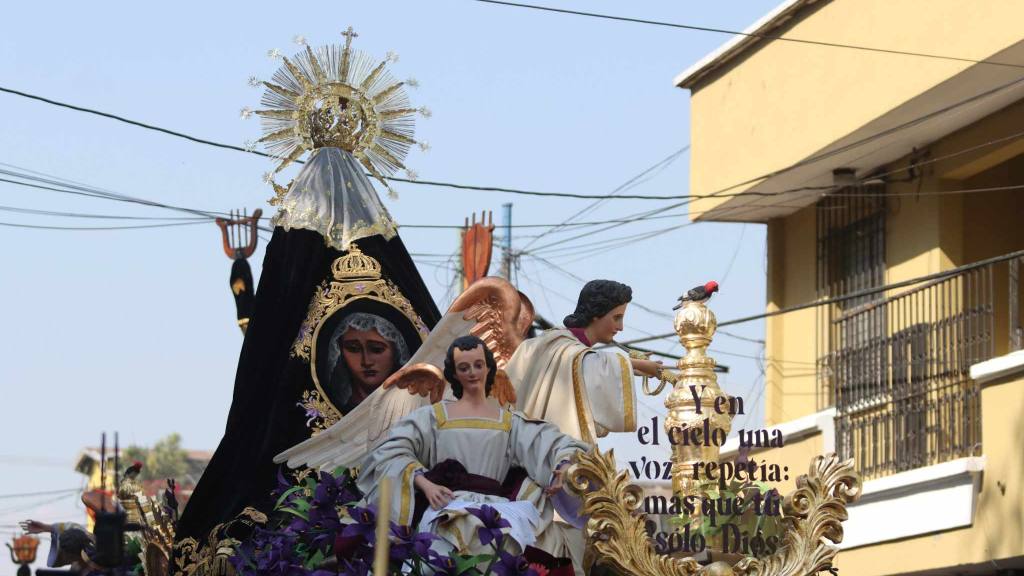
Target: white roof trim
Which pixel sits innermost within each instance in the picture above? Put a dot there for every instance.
(998, 367)
(739, 42)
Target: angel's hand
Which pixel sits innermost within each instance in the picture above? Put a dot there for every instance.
(558, 479)
(646, 367)
(438, 496)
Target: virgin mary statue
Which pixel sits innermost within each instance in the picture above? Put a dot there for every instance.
(340, 305)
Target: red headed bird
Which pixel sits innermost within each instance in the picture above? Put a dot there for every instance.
(698, 294)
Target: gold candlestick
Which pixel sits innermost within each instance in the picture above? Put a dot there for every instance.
(695, 397)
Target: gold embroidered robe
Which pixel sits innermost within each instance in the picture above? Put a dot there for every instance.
(587, 393)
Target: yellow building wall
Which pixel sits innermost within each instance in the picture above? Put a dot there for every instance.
(926, 233)
(789, 338)
(998, 529)
(784, 101)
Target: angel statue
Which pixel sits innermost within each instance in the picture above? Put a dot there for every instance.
(560, 377)
(452, 458)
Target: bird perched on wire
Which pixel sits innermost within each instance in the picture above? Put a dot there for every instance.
(698, 294)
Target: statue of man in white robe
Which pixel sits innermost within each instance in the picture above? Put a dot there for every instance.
(560, 377)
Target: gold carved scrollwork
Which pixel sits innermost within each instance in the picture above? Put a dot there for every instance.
(212, 559)
(616, 529)
(356, 276)
(813, 516)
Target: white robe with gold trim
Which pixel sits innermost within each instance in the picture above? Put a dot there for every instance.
(587, 393)
(484, 447)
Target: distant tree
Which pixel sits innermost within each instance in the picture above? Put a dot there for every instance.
(133, 453)
(166, 459)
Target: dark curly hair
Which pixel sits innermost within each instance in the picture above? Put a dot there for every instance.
(597, 298)
(467, 343)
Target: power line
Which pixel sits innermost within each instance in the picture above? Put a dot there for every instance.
(24, 507)
(96, 193)
(721, 192)
(751, 34)
(859, 293)
(738, 337)
(97, 216)
(44, 493)
(419, 182)
(622, 187)
(88, 228)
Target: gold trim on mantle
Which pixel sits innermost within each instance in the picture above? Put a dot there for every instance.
(356, 276)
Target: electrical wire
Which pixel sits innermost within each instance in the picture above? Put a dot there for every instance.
(97, 228)
(721, 193)
(43, 493)
(859, 293)
(735, 253)
(751, 34)
(97, 216)
(635, 180)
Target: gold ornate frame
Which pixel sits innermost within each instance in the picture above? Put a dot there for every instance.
(356, 276)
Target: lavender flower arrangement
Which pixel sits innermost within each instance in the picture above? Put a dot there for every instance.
(317, 528)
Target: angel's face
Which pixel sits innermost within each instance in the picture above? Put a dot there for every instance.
(369, 356)
(602, 330)
(471, 370)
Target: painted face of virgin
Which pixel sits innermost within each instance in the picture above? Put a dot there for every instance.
(370, 358)
(604, 328)
(471, 370)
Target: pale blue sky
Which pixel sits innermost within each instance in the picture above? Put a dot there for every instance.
(134, 330)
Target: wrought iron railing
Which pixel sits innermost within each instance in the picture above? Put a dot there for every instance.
(898, 369)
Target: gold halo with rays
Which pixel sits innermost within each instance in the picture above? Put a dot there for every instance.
(334, 96)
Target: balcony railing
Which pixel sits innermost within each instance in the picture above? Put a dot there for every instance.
(897, 369)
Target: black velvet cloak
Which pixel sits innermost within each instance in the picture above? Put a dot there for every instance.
(264, 418)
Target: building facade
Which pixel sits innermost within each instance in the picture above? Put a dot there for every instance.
(891, 182)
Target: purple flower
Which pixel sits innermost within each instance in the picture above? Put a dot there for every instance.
(326, 490)
(311, 413)
(355, 568)
(272, 554)
(509, 565)
(365, 523)
(283, 484)
(406, 543)
(442, 565)
(356, 540)
(323, 526)
(492, 524)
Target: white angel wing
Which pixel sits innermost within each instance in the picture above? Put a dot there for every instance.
(490, 308)
(348, 440)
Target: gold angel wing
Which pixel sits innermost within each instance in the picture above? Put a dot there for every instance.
(421, 378)
(503, 391)
(501, 315)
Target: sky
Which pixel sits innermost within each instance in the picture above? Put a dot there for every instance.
(134, 330)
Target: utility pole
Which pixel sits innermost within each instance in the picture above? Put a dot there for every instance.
(506, 252)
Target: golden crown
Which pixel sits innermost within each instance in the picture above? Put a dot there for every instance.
(356, 266)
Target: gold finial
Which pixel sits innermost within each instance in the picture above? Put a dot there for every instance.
(694, 394)
(356, 266)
